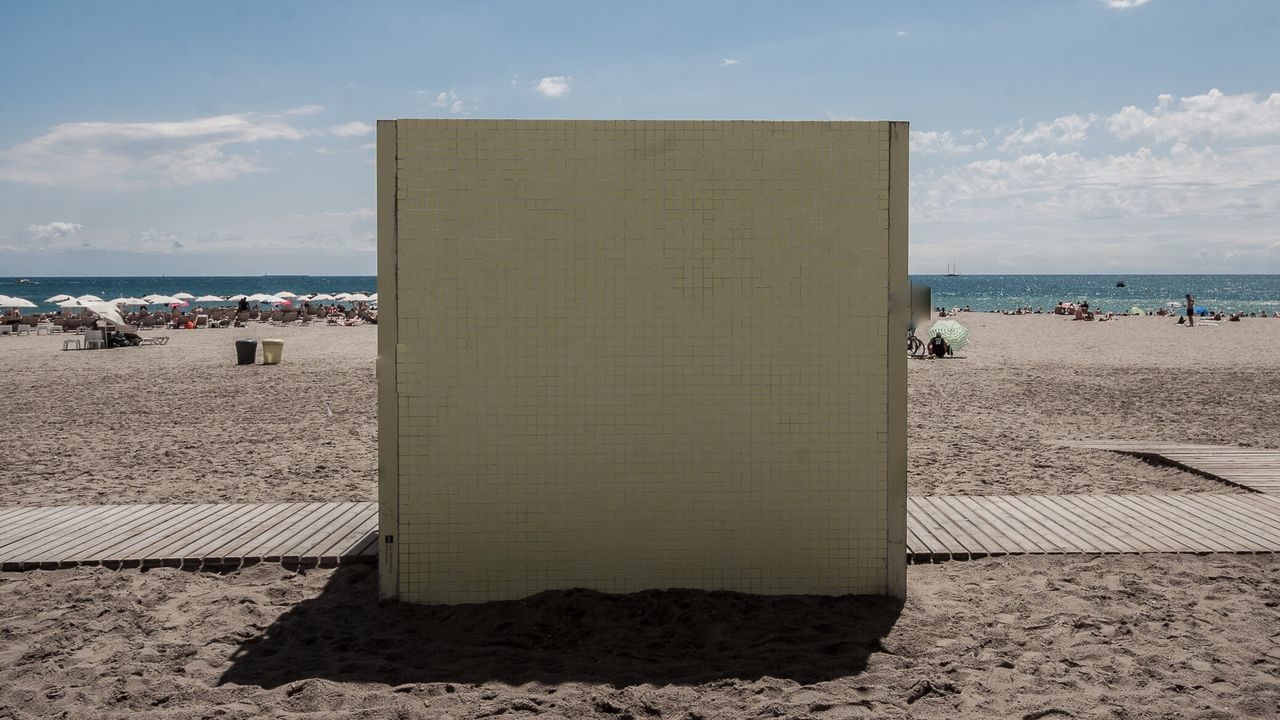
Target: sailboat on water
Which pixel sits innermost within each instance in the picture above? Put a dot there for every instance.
(951, 270)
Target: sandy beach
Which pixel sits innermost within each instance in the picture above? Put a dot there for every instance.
(1158, 636)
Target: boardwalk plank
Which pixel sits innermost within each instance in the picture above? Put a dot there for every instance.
(88, 533)
(321, 535)
(1047, 510)
(1119, 534)
(1152, 532)
(978, 527)
(960, 542)
(1020, 540)
(194, 538)
(1208, 515)
(47, 529)
(938, 527)
(1174, 520)
(934, 545)
(355, 529)
(256, 547)
(131, 549)
(1044, 536)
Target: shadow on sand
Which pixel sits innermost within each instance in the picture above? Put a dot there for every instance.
(658, 636)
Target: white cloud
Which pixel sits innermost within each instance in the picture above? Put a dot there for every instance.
(351, 129)
(931, 142)
(110, 155)
(553, 86)
(1209, 116)
(902, 33)
(1124, 4)
(1066, 130)
(728, 62)
(1152, 193)
(54, 230)
(304, 110)
(1143, 183)
(350, 230)
(450, 99)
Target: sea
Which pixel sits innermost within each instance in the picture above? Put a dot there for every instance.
(1229, 293)
(1232, 293)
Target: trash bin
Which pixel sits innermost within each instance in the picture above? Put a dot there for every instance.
(271, 351)
(246, 351)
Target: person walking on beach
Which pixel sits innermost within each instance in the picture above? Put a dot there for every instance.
(1191, 311)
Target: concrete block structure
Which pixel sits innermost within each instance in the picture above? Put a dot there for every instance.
(641, 354)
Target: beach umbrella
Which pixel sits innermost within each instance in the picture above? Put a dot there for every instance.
(1135, 310)
(208, 298)
(128, 301)
(184, 296)
(90, 298)
(373, 297)
(161, 299)
(953, 332)
(357, 297)
(286, 294)
(323, 297)
(106, 311)
(72, 303)
(58, 298)
(342, 296)
(15, 302)
(237, 298)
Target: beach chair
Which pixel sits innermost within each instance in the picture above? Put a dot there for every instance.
(202, 321)
(95, 339)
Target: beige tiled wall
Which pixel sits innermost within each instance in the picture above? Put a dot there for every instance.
(636, 354)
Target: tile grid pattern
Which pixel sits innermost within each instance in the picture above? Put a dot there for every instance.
(641, 354)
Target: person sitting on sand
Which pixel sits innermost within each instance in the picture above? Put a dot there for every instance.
(938, 346)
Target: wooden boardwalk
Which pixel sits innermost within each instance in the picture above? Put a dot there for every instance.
(959, 527)
(1249, 468)
(319, 534)
(943, 527)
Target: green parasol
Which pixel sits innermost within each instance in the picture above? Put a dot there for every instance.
(1135, 310)
(953, 332)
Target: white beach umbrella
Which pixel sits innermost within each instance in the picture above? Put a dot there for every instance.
(237, 298)
(184, 296)
(15, 302)
(162, 300)
(342, 296)
(106, 311)
(373, 297)
(286, 294)
(357, 297)
(208, 298)
(323, 297)
(90, 298)
(58, 298)
(128, 301)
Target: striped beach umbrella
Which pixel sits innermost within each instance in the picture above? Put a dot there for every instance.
(953, 332)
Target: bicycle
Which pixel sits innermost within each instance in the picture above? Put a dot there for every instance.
(915, 346)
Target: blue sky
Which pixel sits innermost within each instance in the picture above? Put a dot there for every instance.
(236, 138)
